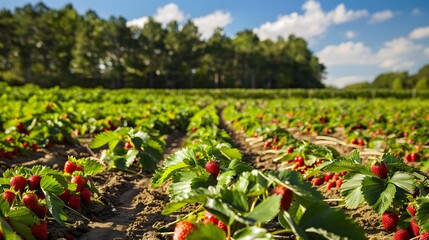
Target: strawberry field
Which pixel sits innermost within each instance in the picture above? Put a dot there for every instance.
(158, 164)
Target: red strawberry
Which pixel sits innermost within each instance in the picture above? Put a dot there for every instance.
(222, 226)
(289, 150)
(414, 157)
(411, 210)
(389, 220)
(30, 200)
(213, 168)
(299, 160)
(330, 185)
(327, 176)
(70, 167)
(40, 231)
(380, 169)
(85, 195)
(182, 230)
(18, 183)
(74, 202)
(41, 210)
(402, 234)
(79, 167)
(128, 145)
(338, 183)
(79, 181)
(65, 195)
(414, 226)
(360, 142)
(317, 181)
(9, 196)
(408, 157)
(34, 182)
(424, 236)
(286, 194)
(210, 218)
(354, 141)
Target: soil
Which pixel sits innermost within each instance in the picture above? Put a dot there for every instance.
(131, 209)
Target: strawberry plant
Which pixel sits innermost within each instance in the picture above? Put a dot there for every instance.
(145, 148)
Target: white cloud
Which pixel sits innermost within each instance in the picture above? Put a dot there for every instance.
(207, 24)
(138, 22)
(416, 12)
(420, 33)
(381, 16)
(346, 53)
(397, 54)
(350, 34)
(427, 52)
(312, 23)
(168, 13)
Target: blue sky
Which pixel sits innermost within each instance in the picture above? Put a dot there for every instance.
(356, 40)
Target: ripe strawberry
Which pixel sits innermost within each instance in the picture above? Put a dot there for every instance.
(182, 230)
(338, 183)
(289, 150)
(317, 181)
(354, 141)
(85, 195)
(18, 183)
(210, 218)
(330, 185)
(361, 142)
(299, 160)
(267, 144)
(213, 168)
(70, 167)
(40, 231)
(40, 210)
(30, 200)
(389, 220)
(34, 182)
(128, 145)
(380, 169)
(222, 226)
(79, 167)
(414, 226)
(286, 194)
(414, 157)
(402, 234)
(327, 176)
(74, 202)
(79, 181)
(9, 196)
(411, 210)
(424, 236)
(65, 195)
(408, 157)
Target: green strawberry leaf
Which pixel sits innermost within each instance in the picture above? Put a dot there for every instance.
(109, 137)
(377, 193)
(91, 167)
(351, 189)
(22, 215)
(286, 219)
(266, 210)
(318, 222)
(235, 198)
(8, 232)
(198, 196)
(254, 233)
(163, 174)
(206, 232)
(51, 188)
(422, 214)
(403, 180)
(23, 229)
(50, 184)
(231, 153)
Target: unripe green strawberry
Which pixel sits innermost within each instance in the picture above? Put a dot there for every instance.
(182, 230)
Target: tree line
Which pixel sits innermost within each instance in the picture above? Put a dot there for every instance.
(397, 80)
(60, 47)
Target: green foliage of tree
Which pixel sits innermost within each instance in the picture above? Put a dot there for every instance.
(60, 47)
